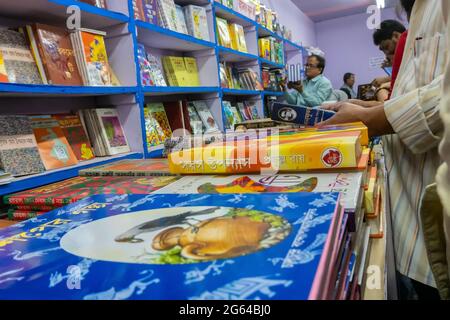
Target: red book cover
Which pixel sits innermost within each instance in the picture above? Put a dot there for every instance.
(178, 115)
(75, 189)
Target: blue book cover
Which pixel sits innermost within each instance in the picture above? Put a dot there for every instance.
(177, 247)
(300, 115)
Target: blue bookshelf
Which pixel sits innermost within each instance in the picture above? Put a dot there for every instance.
(122, 24)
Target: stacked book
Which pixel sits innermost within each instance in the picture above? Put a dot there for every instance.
(31, 203)
(271, 49)
(239, 112)
(181, 71)
(232, 77)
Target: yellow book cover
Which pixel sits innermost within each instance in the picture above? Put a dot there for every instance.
(3, 74)
(269, 19)
(169, 72)
(192, 72)
(223, 33)
(176, 70)
(264, 48)
(310, 153)
(370, 194)
(238, 37)
(96, 58)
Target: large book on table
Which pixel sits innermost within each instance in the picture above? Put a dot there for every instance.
(131, 168)
(92, 57)
(19, 154)
(52, 47)
(274, 153)
(76, 135)
(72, 190)
(197, 22)
(228, 247)
(54, 148)
(18, 60)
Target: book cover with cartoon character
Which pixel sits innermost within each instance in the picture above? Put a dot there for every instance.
(191, 247)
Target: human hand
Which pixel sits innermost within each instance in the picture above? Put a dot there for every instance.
(377, 82)
(345, 113)
(296, 86)
(282, 85)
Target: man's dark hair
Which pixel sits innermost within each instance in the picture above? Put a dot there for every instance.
(408, 6)
(347, 76)
(386, 30)
(321, 60)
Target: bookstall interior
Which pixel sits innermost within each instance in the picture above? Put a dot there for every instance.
(96, 96)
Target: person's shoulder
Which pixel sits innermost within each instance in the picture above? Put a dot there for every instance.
(325, 81)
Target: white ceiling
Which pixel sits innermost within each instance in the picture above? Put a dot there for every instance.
(320, 10)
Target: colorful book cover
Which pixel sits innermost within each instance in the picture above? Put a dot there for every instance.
(112, 131)
(194, 120)
(145, 68)
(156, 70)
(54, 148)
(245, 112)
(138, 10)
(57, 55)
(150, 11)
(18, 60)
(223, 33)
(131, 168)
(157, 111)
(75, 189)
(19, 154)
(153, 130)
(76, 136)
(197, 22)
(275, 154)
(349, 184)
(140, 245)
(238, 37)
(3, 74)
(205, 114)
(96, 59)
(229, 115)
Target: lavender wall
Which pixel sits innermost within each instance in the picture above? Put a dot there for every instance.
(303, 30)
(348, 45)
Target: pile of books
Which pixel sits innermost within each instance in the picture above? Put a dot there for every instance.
(272, 78)
(44, 54)
(232, 77)
(236, 113)
(33, 144)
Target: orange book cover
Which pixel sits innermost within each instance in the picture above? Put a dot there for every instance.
(53, 146)
(3, 74)
(96, 57)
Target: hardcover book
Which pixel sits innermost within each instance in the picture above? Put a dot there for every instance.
(73, 190)
(19, 154)
(54, 148)
(197, 22)
(300, 115)
(157, 111)
(112, 131)
(131, 168)
(207, 246)
(76, 136)
(18, 60)
(3, 74)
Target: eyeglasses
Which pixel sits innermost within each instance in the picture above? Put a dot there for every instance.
(310, 65)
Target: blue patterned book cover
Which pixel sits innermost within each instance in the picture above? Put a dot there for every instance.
(176, 247)
(300, 115)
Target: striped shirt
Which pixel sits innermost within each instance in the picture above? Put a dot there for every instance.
(443, 177)
(412, 156)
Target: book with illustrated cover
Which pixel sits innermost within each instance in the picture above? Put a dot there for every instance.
(138, 9)
(224, 78)
(76, 136)
(112, 131)
(156, 70)
(205, 114)
(347, 183)
(3, 74)
(168, 13)
(236, 114)
(18, 60)
(229, 115)
(157, 111)
(153, 130)
(223, 33)
(237, 35)
(92, 58)
(150, 11)
(54, 148)
(181, 20)
(300, 115)
(145, 68)
(197, 22)
(195, 121)
(57, 54)
(131, 168)
(75, 189)
(207, 246)
(245, 112)
(19, 154)
(274, 153)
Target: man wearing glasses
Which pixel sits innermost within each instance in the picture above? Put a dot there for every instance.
(315, 90)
